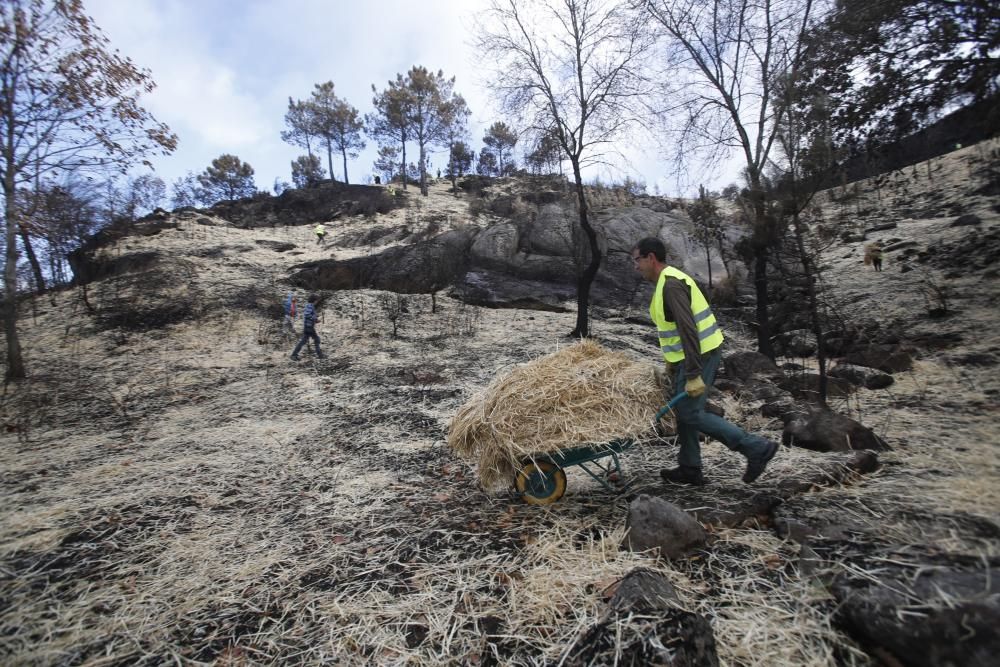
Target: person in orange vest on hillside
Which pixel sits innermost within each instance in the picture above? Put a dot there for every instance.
(691, 342)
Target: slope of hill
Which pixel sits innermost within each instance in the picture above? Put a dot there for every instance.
(175, 489)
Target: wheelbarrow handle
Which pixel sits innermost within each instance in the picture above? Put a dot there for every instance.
(670, 406)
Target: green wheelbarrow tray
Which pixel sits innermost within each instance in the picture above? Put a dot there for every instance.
(542, 477)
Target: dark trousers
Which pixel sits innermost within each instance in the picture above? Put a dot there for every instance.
(692, 419)
(877, 261)
(306, 335)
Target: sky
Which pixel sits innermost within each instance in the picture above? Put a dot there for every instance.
(225, 69)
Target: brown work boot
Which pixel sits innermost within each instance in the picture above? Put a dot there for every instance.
(756, 464)
(684, 475)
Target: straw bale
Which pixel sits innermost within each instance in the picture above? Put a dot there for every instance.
(583, 394)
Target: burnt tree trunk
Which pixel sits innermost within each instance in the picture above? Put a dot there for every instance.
(586, 277)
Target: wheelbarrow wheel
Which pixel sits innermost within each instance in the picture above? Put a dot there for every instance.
(540, 483)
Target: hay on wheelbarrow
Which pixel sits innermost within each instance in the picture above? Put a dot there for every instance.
(582, 394)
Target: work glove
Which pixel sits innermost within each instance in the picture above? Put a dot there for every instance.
(695, 387)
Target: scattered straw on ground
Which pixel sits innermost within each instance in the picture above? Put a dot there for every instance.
(581, 394)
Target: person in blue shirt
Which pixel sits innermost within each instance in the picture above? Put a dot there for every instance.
(308, 328)
(290, 314)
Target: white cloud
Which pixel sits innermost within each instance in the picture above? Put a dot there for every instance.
(225, 70)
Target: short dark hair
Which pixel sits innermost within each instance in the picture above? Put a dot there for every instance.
(651, 244)
(313, 298)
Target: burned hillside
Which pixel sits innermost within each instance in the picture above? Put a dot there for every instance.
(176, 489)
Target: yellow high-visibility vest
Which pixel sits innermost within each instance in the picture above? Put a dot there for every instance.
(320, 229)
(709, 333)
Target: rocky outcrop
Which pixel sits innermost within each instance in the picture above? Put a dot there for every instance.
(423, 268)
(529, 263)
(324, 202)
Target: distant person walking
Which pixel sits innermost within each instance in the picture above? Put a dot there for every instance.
(691, 343)
(873, 255)
(308, 328)
(290, 307)
(320, 234)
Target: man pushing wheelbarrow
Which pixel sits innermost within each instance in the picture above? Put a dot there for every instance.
(583, 405)
(691, 341)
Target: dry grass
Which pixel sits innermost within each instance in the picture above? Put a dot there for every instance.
(188, 496)
(582, 394)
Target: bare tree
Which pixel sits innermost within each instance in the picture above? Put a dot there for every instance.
(723, 57)
(68, 103)
(573, 68)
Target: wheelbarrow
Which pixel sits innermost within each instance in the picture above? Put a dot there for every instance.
(541, 480)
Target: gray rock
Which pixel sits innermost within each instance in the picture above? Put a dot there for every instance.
(654, 523)
(967, 219)
(744, 365)
(881, 228)
(806, 385)
(276, 246)
(886, 358)
(862, 376)
(552, 232)
(892, 247)
(499, 290)
(959, 613)
(735, 512)
(799, 343)
(496, 245)
(823, 430)
(643, 591)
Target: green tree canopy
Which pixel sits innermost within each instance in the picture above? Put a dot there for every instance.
(880, 70)
(336, 124)
(227, 178)
(299, 119)
(460, 159)
(306, 171)
(389, 123)
(501, 140)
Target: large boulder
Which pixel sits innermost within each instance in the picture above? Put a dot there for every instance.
(495, 246)
(421, 268)
(823, 430)
(654, 523)
(552, 231)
